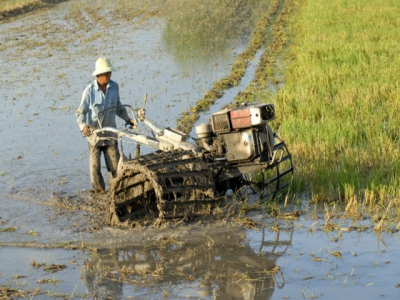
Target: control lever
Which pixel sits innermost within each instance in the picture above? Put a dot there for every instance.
(141, 112)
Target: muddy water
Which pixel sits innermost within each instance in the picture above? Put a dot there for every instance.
(300, 261)
(47, 58)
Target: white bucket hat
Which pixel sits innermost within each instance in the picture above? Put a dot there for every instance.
(103, 65)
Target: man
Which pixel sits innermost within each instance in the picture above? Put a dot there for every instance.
(100, 94)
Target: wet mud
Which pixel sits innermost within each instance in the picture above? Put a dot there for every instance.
(55, 242)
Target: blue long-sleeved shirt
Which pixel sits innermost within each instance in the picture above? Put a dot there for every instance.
(94, 101)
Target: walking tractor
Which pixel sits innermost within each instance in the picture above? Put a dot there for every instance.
(183, 179)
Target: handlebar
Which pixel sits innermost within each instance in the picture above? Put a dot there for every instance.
(117, 106)
(140, 113)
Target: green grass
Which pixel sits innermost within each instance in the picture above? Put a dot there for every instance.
(340, 104)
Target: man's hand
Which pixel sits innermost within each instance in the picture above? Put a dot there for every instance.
(131, 123)
(86, 131)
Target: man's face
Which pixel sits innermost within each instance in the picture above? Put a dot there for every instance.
(104, 78)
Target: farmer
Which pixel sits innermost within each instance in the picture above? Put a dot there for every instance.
(100, 94)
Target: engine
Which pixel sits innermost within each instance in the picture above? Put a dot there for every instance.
(240, 134)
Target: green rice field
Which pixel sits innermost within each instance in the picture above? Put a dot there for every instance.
(339, 105)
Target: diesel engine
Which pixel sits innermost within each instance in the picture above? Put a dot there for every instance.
(240, 134)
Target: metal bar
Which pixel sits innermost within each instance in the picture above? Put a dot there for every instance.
(278, 176)
(190, 202)
(286, 157)
(170, 163)
(178, 188)
(184, 173)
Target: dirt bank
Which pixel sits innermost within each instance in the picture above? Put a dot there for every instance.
(30, 7)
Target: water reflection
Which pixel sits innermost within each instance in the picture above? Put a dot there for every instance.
(234, 264)
(204, 28)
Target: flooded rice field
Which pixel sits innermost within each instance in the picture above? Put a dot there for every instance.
(54, 242)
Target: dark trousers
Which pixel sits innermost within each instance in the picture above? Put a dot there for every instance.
(111, 157)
